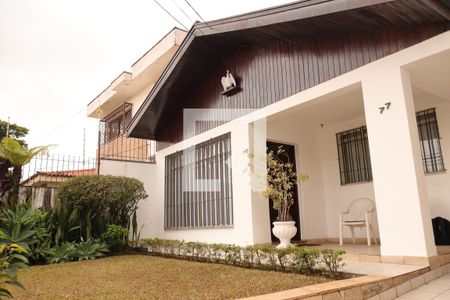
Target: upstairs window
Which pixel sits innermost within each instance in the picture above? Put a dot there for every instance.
(430, 141)
(115, 124)
(354, 156)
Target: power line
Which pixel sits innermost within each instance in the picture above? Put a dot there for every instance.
(203, 20)
(162, 7)
(182, 10)
(187, 16)
(61, 125)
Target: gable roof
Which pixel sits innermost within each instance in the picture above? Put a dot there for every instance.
(295, 20)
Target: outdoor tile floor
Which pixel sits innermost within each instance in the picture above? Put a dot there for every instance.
(368, 268)
(438, 289)
(363, 249)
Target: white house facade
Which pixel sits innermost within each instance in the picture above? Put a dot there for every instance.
(358, 90)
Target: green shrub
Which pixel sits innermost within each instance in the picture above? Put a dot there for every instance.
(249, 256)
(284, 256)
(61, 253)
(86, 205)
(268, 256)
(12, 258)
(305, 260)
(90, 250)
(68, 251)
(18, 226)
(28, 228)
(332, 260)
(217, 251)
(232, 254)
(115, 237)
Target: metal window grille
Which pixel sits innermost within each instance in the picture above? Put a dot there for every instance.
(116, 122)
(354, 156)
(198, 186)
(429, 138)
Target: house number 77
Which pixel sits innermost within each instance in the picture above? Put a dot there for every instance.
(386, 106)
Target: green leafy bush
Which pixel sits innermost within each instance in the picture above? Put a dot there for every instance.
(61, 253)
(332, 260)
(68, 251)
(28, 228)
(12, 258)
(115, 237)
(90, 250)
(306, 259)
(86, 205)
(18, 226)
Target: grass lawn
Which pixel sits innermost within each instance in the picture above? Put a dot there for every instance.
(144, 277)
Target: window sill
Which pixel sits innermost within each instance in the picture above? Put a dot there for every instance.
(436, 173)
(356, 183)
(199, 228)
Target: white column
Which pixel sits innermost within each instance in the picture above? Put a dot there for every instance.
(260, 204)
(398, 176)
(242, 194)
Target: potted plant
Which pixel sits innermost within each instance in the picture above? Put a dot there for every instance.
(281, 179)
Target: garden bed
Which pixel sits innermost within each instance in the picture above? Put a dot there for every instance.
(143, 277)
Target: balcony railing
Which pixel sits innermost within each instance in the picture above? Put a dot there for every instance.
(113, 143)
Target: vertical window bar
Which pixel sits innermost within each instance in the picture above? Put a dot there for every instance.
(429, 139)
(198, 189)
(353, 156)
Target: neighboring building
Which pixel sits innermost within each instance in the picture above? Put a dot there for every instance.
(356, 90)
(41, 187)
(119, 102)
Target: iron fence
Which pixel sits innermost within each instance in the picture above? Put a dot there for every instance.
(44, 174)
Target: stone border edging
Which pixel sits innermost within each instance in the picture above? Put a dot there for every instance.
(365, 287)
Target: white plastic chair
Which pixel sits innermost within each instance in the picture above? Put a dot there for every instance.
(358, 215)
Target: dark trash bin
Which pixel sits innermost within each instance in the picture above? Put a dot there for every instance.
(441, 230)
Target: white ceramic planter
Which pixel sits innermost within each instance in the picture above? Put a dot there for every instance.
(284, 231)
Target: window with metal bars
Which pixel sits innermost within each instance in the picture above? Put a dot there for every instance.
(115, 124)
(354, 156)
(198, 186)
(429, 138)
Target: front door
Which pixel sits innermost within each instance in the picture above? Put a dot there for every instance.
(294, 210)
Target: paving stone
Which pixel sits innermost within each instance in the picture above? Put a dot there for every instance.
(403, 288)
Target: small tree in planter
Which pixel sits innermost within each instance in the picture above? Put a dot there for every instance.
(280, 181)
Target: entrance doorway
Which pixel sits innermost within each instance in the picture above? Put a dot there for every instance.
(294, 210)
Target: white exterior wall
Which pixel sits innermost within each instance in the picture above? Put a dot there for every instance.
(438, 186)
(337, 196)
(317, 155)
(308, 159)
(144, 172)
(241, 232)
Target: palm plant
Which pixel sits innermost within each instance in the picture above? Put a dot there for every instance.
(14, 155)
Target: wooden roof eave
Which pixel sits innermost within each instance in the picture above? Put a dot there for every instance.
(280, 14)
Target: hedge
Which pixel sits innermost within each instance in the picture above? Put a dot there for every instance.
(300, 259)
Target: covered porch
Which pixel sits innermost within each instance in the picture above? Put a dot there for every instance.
(407, 183)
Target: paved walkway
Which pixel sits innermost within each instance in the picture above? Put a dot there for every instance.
(380, 269)
(438, 289)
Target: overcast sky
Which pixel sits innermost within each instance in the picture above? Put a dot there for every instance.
(57, 55)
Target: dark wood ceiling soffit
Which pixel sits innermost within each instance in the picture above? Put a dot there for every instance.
(204, 47)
